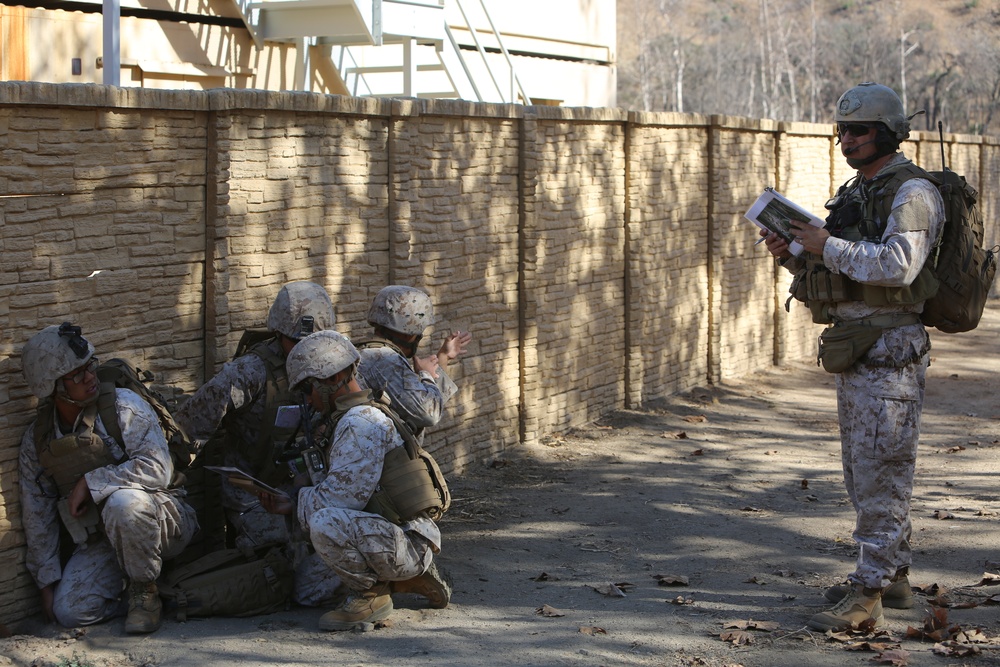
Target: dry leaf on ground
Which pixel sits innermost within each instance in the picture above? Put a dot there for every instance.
(593, 630)
(611, 590)
(750, 624)
(953, 649)
(897, 657)
(551, 612)
(670, 580)
(696, 419)
(737, 637)
(943, 514)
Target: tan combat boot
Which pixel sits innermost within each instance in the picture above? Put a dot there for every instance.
(144, 608)
(359, 607)
(431, 584)
(860, 606)
(897, 595)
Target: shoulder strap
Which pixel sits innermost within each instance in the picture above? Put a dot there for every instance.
(379, 342)
(43, 424)
(887, 193)
(109, 413)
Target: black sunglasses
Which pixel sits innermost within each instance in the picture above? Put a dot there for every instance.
(856, 129)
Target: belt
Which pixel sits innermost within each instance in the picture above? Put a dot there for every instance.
(882, 321)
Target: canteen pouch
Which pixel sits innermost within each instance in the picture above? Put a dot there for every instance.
(841, 346)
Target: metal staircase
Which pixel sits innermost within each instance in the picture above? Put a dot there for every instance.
(389, 48)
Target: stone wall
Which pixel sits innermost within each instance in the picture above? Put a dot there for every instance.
(598, 257)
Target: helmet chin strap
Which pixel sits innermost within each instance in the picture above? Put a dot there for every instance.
(857, 163)
(328, 393)
(63, 396)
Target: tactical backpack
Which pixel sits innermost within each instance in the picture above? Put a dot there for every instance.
(963, 268)
(230, 582)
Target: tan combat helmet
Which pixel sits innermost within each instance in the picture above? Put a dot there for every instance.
(52, 353)
(406, 310)
(319, 356)
(300, 309)
(871, 102)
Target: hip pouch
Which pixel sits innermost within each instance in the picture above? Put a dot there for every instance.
(230, 582)
(841, 346)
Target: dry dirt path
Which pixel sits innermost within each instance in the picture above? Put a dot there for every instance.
(735, 489)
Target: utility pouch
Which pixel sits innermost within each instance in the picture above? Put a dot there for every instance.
(81, 528)
(841, 346)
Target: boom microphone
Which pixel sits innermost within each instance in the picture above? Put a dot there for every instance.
(854, 149)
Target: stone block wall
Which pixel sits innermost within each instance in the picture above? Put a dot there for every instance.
(599, 257)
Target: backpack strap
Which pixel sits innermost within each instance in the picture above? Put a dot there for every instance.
(377, 342)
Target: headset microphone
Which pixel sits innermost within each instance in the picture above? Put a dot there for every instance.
(855, 149)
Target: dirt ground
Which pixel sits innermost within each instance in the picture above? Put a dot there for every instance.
(699, 531)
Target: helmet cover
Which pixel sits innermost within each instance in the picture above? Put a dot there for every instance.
(320, 356)
(403, 309)
(52, 353)
(300, 309)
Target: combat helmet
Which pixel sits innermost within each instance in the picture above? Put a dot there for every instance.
(301, 308)
(871, 102)
(320, 356)
(403, 309)
(52, 353)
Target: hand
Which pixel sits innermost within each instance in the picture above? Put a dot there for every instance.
(429, 364)
(79, 497)
(48, 598)
(280, 504)
(453, 347)
(811, 238)
(775, 245)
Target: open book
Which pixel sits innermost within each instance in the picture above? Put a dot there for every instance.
(245, 481)
(773, 212)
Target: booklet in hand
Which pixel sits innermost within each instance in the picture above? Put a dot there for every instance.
(245, 481)
(773, 212)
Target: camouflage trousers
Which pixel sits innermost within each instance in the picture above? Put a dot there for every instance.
(141, 529)
(315, 583)
(364, 548)
(879, 411)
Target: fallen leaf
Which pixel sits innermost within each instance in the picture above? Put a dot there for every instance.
(811, 498)
(956, 448)
(871, 646)
(698, 452)
(670, 580)
(610, 590)
(989, 579)
(804, 483)
(749, 508)
(765, 626)
(973, 443)
(784, 573)
(551, 612)
(545, 576)
(897, 657)
(680, 599)
(955, 650)
(593, 630)
(680, 435)
(755, 580)
(943, 514)
(737, 637)
(696, 419)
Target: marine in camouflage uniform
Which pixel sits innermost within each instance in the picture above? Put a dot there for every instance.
(143, 520)
(366, 550)
(879, 396)
(248, 393)
(418, 387)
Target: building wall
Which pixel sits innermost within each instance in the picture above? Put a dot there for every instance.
(598, 257)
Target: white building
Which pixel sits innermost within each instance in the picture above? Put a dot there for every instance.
(542, 51)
